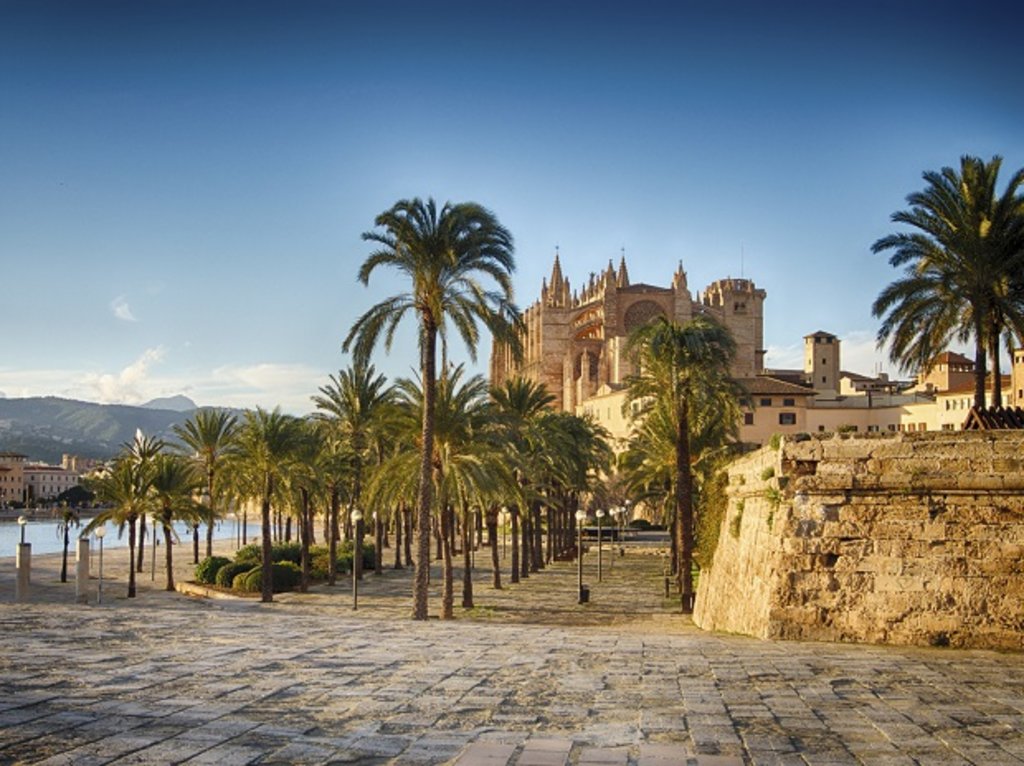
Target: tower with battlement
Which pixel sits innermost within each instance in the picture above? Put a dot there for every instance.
(574, 340)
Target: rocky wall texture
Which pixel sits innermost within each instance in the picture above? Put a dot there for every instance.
(902, 539)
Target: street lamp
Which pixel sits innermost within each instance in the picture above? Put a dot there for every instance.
(614, 513)
(101, 532)
(357, 519)
(22, 521)
(600, 518)
(581, 516)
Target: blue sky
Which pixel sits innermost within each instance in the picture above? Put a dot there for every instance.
(183, 185)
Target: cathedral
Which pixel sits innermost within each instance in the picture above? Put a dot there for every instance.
(574, 341)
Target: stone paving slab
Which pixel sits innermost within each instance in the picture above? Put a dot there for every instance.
(529, 678)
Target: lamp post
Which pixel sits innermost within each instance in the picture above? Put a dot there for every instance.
(600, 547)
(625, 519)
(357, 555)
(101, 532)
(614, 514)
(581, 516)
(23, 564)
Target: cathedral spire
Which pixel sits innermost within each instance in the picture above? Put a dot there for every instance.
(556, 270)
(623, 277)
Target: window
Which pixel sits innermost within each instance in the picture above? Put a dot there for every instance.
(766, 402)
(821, 429)
(948, 427)
(891, 426)
(872, 429)
(922, 426)
(748, 418)
(824, 379)
(787, 418)
(824, 361)
(789, 402)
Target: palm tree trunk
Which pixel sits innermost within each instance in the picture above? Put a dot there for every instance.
(168, 553)
(64, 560)
(514, 509)
(467, 560)
(527, 543)
(538, 539)
(447, 590)
(195, 542)
(131, 557)
(421, 583)
(979, 365)
(267, 594)
(332, 564)
(549, 550)
(399, 523)
(684, 508)
(407, 522)
(212, 519)
(492, 541)
(378, 545)
(305, 527)
(142, 544)
(997, 383)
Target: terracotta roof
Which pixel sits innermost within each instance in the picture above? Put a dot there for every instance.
(764, 384)
(951, 357)
(820, 334)
(994, 418)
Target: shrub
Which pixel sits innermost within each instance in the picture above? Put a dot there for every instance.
(767, 473)
(642, 524)
(226, 574)
(286, 576)
(278, 552)
(206, 570)
(251, 552)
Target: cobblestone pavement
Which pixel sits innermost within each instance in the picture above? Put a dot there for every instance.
(528, 678)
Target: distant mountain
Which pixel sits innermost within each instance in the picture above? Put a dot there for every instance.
(46, 427)
(177, 403)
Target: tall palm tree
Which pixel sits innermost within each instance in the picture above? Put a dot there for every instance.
(443, 254)
(125, 487)
(66, 519)
(678, 364)
(960, 267)
(267, 445)
(173, 483)
(212, 437)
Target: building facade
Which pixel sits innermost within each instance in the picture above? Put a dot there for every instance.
(575, 341)
(12, 478)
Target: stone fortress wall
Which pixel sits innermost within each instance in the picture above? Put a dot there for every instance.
(902, 539)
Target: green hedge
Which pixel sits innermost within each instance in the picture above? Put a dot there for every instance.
(278, 552)
(206, 570)
(286, 576)
(226, 574)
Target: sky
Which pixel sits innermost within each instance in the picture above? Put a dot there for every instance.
(184, 185)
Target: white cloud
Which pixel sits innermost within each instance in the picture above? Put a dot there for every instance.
(131, 385)
(266, 384)
(122, 310)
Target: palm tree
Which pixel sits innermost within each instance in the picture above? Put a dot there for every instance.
(961, 266)
(142, 450)
(68, 518)
(443, 254)
(518, 402)
(355, 401)
(172, 486)
(125, 486)
(212, 437)
(266, 447)
(678, 365)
